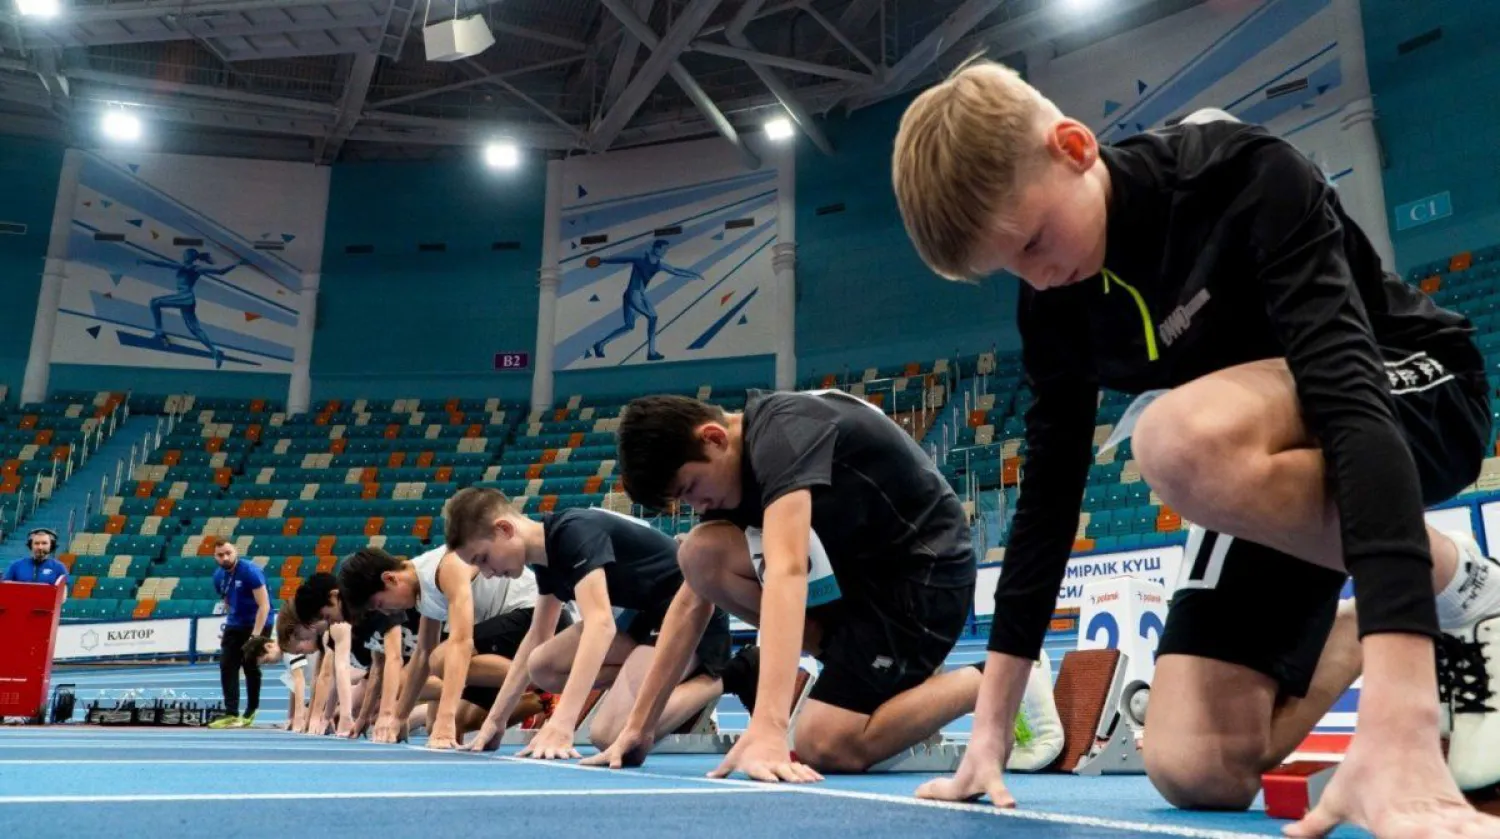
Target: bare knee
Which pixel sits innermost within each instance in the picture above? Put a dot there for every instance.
(829, 751)
(547, 672)
(603, 732)
(435, 661)
(1192, 453)
(1197, 774)
(703, 553)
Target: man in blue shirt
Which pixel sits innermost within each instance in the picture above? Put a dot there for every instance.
(247, 614)
(41, 566)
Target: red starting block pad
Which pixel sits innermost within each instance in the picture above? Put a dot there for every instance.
(1292, 789)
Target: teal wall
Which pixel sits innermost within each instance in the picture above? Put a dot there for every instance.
(1439, 116)
(864, 298)
(400, 322)
(29, 170)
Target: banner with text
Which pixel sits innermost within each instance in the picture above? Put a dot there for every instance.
(107, 640)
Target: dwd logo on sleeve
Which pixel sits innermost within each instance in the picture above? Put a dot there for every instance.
(822, 586)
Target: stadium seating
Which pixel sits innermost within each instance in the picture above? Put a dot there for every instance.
(296, 492)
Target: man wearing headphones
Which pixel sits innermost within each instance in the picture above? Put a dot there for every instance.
(41, 566)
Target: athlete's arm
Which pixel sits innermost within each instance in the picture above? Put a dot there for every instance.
(390, 689)
(262, 609)
(543, 627)
(681, 629)
(1297, 244)
(1059, 443)
(340, 633)
(592, 596)
(681, 272)
(317, 718)
(417, 670)
(454, 578)
(783, 605)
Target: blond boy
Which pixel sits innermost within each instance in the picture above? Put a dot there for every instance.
(1308, 406)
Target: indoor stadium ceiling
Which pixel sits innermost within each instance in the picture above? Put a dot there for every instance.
(324, 80)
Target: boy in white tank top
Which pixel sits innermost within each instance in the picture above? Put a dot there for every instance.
(485, 619)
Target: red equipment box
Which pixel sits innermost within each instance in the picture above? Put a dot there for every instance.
(29, 614)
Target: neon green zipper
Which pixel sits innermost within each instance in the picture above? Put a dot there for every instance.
(1140, 303)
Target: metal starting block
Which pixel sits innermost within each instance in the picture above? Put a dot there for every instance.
(1102, 711)
(938, 757)
(1103, 714)
(524, 736)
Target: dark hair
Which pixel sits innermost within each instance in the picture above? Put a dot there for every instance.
(313, 595)
(657, 436)
(471, 512)
(360, 579)
(660, 243)
(286, 624)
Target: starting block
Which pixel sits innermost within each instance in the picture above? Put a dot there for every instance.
(703, 736)
(524, 736)
(1293, 789)
(1102, 710)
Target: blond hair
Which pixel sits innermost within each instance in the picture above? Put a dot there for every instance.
(962, 151)
(471, 514)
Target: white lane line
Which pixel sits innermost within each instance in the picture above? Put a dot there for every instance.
(300, 796)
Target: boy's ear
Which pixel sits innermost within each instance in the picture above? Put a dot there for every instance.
(713, 434)
(1071, 142)
(388, 578)
(504, 528)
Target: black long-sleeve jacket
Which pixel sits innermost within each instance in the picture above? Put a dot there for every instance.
(1226, 245)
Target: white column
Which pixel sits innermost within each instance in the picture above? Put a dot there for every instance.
(1362, 191)
(299, 389)
(39, 361)
(548, 278)
(784, 264)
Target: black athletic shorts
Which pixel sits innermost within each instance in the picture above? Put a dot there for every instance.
(502, 635)
(884, 637)
(1247, 604)
(713, 648)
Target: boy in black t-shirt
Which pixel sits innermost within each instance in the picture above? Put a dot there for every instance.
(622, 574)
(828, 527)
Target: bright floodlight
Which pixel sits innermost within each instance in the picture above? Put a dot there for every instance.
(779, 128)
(120, 125)
(502, 155)
(1082, 5)
(39, 8)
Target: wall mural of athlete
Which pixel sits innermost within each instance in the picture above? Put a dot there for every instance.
(643, 267)
(185, 299)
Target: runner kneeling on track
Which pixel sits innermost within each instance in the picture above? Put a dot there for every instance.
(605, 563)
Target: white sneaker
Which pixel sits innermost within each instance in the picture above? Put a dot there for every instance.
(1039, 730)
(1468, 662)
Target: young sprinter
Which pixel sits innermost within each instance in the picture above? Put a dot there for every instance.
(866, 564)
(291, 649)
(486, 620)
(606, 563)
(379, 637)
(248, 613)
(346, 657)
(1314, 405)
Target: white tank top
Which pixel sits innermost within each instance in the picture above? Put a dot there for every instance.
(492, 595)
